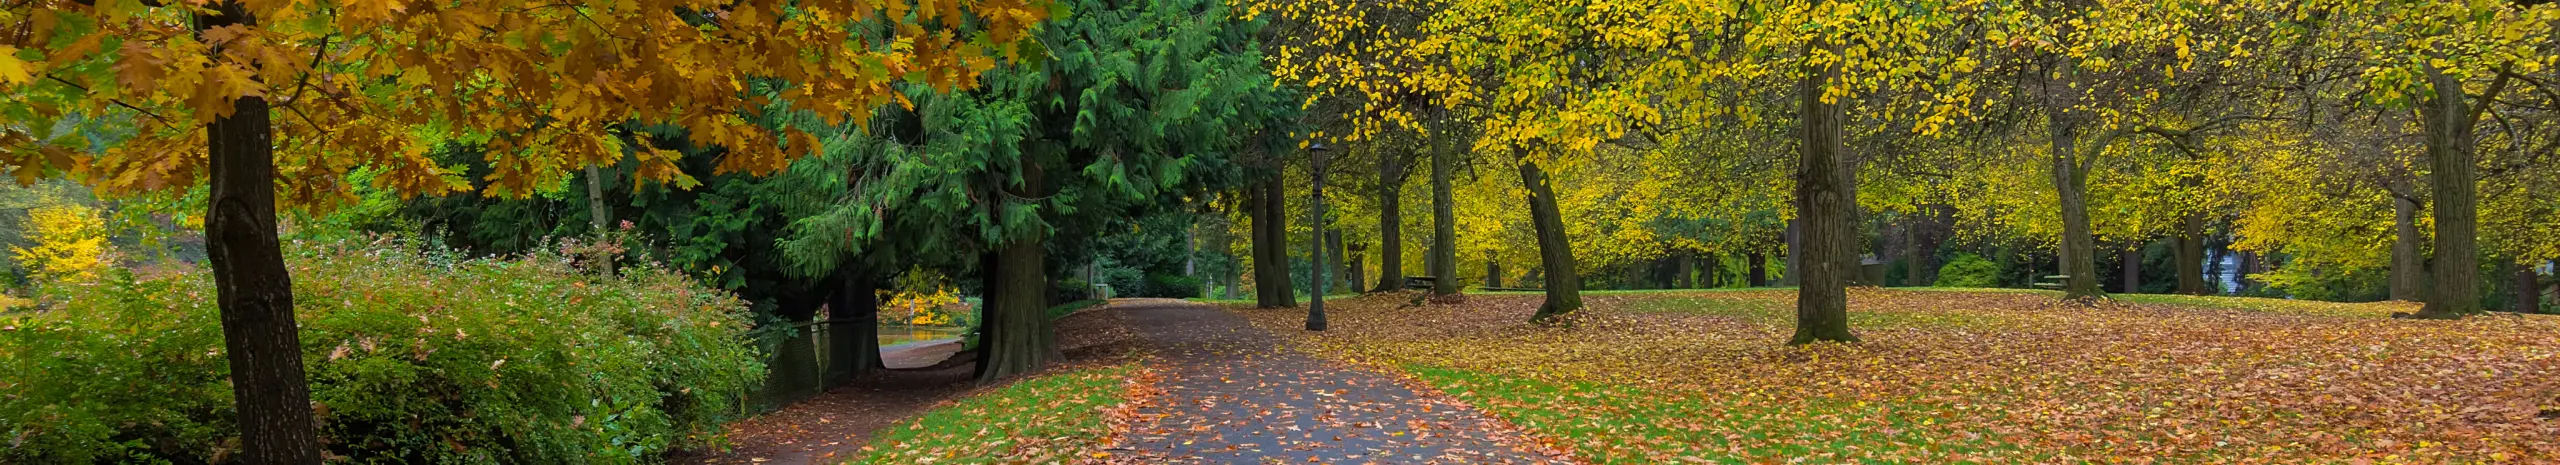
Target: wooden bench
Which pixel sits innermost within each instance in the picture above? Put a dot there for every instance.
(1420, 282)
(2057, 284)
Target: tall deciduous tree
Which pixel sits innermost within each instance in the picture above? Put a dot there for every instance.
(302, 93)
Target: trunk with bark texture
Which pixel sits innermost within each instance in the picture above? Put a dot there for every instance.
(1390, 226)
(2248, 264)
(1919, 255)
(252, 287)
(1272, 287)
(854, 329)
(1444, 218)
(1492, 271)
(2456, 290)
(2408, 263)
(1338, 256)
(2190, 255)
(1828, 230)
(1014, 335)
(1713, 274)
(1555, 251)
(2079, 249)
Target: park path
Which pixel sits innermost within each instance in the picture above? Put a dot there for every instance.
(1234, 394)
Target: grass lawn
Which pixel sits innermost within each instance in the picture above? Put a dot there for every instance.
(1956, 376)
(1057, 417)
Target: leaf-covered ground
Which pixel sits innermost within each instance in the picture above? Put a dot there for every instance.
(1949, 376)
(1057, 418)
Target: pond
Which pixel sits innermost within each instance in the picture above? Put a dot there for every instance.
(895, 334)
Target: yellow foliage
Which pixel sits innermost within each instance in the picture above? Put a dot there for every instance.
(71, 243)
(926, 306)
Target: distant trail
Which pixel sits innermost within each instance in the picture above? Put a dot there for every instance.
(1233, 394)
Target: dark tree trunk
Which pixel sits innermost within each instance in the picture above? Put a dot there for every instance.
(2248, 264)
(1795, 249)
(1713, 274)
(1339, 258)
(1390, 224)
(1759, 269)
(854, 329)
(2408, 263)
(1555, 251)
(2528, 292)
(1272, 288)
(2190, 255)
(1492, 271)
(252, 288)
(1331, 240)
(1235, 277)
(1919, 253)
(2456, 290)
(2132, 264)
(1828, 230)
(1013, 335)
(1684, 271)
(1444, 217)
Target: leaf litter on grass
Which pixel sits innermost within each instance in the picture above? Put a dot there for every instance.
(1991, 377)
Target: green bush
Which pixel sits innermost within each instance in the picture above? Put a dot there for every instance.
(412, 358)
(1167, 285)
(1969, 270)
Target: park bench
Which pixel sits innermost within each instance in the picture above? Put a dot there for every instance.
(2055, 284)
(1420, 282)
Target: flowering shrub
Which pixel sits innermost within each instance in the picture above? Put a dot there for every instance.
(413, 357)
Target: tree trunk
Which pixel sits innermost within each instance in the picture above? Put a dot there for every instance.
(2132, 263)
(1339, 259)
(2248, 264)
(1272, 287)
(1759, 269)
(1555, 251)
(2190, 255)
(1795, 249)
(1014, 335)
(252, 287)
(1444, 218)
(1390, 225)
(1492, 271)
(2528, 292)
(1919, 254)
(1684, 271)
(854, 327)
(1235, 277)
(2456, 290)
(1828, 227)
(2078, 252)
(1713, 274)
(1329, 239)
(2408, 263)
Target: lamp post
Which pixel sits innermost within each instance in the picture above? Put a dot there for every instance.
(1315, 301)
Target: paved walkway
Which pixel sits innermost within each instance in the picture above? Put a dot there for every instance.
(1233, 394)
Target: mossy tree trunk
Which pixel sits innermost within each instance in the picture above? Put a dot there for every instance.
(1390, 224)
(1555, 251)
(2456, 268)
(2190, 255)
(1827, 228)
(1444, 217)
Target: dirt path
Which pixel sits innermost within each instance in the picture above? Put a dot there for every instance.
(1233, 394)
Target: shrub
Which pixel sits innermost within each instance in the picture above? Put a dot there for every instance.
(1969, 270)
(1168, 285)
(412, 358)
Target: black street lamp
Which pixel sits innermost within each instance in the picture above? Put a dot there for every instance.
(1315, 303)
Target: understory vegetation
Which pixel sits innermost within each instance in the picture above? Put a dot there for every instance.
(1964, 376)
(415, 356)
